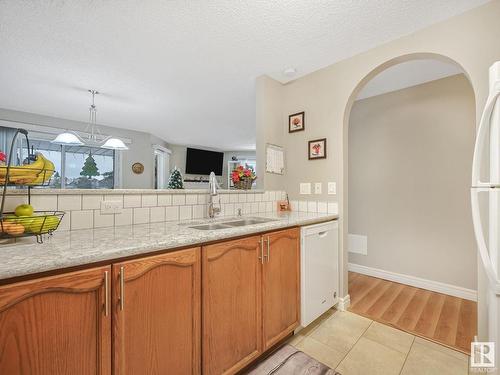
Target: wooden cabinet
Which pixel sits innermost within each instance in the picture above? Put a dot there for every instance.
(156, 321)
(280, 285)
(57, 325)
(232, 305)
(251, 298)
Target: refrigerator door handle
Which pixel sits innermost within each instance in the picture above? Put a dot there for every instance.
(481, 242)
(482, 132)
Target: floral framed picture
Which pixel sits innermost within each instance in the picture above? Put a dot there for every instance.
(296, 122)
(317, 149)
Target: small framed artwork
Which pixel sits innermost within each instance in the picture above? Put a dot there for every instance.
(296, 122)
(317, 149)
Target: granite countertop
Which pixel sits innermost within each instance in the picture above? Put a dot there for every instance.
(80, 247)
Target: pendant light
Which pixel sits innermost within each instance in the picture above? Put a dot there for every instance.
(94, 138)
(68, 138)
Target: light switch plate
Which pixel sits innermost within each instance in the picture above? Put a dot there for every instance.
(111, 207)
(305, 188)
(332, 188)
(318, 187)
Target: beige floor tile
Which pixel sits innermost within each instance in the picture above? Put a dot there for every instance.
(323, 318)
(341, 331)
(390, 337)
(425, 359)
(295, 339)
(369, 357)
(321, 352)
(441, 348)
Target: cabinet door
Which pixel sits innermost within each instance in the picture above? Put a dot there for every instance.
(281, 285)
(57, 325)
(156, 321)
(232, 329)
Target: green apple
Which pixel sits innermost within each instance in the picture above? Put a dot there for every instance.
(24, 210)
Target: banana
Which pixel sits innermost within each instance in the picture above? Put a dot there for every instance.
(38, 172)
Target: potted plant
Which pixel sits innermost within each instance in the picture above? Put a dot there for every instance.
(243, 177)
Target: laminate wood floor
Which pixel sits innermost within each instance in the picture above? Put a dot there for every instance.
(447, 320)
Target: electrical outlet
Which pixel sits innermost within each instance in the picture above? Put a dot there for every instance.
(332, 188)
(305, 188)
(318, 186)
(111, 207)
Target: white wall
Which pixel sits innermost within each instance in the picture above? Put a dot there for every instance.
(140, 149)
(410, 153)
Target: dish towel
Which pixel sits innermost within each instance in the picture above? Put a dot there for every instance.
(290, 361)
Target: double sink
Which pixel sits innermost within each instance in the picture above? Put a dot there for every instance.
(232, 224)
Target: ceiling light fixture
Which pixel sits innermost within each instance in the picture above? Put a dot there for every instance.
(94, 137)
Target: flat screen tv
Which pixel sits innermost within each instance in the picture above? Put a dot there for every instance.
(203, 162)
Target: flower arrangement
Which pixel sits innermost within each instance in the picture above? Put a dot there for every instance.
(3, 158)
(243, 177)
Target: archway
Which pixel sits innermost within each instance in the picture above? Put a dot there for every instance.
(348, 117)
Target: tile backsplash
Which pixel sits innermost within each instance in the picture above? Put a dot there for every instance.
(83, 210)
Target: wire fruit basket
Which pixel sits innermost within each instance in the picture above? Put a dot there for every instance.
(37, 171)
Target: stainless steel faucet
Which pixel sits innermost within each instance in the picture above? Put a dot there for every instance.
(213, 187)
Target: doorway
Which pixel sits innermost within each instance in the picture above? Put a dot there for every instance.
(411, 246)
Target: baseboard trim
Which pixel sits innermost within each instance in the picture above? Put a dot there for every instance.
(435, 286)
(344, 303)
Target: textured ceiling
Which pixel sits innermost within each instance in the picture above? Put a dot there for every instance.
(185, 69)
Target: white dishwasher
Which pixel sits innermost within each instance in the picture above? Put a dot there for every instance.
(319, 269)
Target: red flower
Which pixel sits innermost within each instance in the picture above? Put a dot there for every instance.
(3, 157)
(248, 173)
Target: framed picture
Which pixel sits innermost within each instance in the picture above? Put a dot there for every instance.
(317, 149)
(296, 122)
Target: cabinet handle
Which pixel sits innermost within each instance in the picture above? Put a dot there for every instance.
(122, 286)
(268, 249)
(261, 258)
(106, 294)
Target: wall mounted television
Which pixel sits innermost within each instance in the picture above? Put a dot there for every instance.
(203, 162)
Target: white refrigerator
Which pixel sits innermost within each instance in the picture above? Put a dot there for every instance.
(485, 203)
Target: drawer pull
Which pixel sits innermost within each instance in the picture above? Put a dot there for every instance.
(122, 286)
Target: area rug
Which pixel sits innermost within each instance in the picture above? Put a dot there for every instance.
(290, 361)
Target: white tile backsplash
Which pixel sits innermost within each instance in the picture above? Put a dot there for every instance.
(125, 217)
(102, 221)
(185, 213)
(91, 202)
(149, 200)
(157, 214)
(82, 219)
(178, 200)
(191, 199)
(322, 207)
(141, 215)
(69, 202)
(42, 202)
(312, 206)
(83, 211)
(172, 213)
(132, 200)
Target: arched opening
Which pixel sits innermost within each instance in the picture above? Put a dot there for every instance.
(407, 152)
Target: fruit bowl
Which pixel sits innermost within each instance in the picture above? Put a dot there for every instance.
(41, 222)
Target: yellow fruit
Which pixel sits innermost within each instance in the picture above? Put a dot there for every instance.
(43, 224)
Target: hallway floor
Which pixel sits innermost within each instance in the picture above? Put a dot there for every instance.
(448, 320)
(354, 345)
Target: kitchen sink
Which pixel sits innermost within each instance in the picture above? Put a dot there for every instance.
(232, 224)
(248, 221)
(211, 226)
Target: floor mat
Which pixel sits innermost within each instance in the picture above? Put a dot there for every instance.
(290, 361)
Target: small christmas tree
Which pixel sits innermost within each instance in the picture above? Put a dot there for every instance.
(175, 180)
(89, 168)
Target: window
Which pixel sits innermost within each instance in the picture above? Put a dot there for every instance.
(76, 167)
